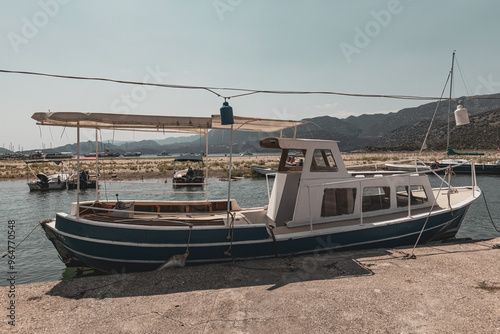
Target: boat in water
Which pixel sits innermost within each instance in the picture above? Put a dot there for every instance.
(85, 180)
(463, 166)
(265, 171)
(246, 153)
(105, 154)
(189, 176)
(315, 206)
(163, 153)
(132, 154)
(43, 182)
(49, 182)
(413, 165)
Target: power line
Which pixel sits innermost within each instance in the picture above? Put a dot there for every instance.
(244, 91)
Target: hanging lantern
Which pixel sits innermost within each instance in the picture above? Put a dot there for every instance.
(461, 116)
(226, 114)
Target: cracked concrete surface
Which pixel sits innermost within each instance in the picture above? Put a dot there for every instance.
(448, 288)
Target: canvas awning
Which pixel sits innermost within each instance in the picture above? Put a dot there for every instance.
(156, 123)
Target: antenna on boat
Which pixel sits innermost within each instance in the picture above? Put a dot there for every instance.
(461, 113)
(449, 101)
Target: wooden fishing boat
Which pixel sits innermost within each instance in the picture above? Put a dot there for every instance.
(315, 206)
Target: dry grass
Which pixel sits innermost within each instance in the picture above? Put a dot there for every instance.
(162, 167)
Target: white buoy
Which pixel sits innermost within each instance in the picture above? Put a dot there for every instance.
(461, 116)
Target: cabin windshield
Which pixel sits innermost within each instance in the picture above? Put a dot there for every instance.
(291, 160)
(323, 161)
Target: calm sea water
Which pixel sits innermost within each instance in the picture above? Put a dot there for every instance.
(37, 260)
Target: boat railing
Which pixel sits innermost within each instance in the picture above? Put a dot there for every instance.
(124, 216)
(382, 165)
(164, 190)
(128, 210)
(436, 171)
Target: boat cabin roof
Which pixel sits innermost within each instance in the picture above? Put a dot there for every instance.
(321, 158)
(189, 157)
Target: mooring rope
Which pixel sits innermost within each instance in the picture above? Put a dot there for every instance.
(230, 234)
(489, 214)
(189, 237)
(19, 244)
(412, 255)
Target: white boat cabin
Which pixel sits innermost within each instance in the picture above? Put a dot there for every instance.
(318, 188)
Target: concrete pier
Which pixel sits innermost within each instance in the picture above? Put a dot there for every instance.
(448, 288)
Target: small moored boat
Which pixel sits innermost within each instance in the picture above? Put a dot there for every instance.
(189, 176)
(266, 171)
(57, 181)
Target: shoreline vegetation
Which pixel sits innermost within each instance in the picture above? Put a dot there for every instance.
(163, 167)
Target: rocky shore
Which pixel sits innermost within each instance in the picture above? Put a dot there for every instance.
(159, 167)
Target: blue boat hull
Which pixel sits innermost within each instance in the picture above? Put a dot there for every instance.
(119, 248)
(490, 169)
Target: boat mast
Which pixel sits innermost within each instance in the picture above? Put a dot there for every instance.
(449, 101)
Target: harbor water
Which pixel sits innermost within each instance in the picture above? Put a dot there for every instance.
(36, 260)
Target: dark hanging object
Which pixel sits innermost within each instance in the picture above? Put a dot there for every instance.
(226, 114)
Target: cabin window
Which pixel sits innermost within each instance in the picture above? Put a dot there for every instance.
(323, 161)
(338, 201)
(292, 160)
(376, 198)
(417, 195)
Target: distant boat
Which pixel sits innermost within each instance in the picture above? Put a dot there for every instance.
(49, 182)
(271, 172)
(58, 155)
(246, 153)
(459, 165)
(163, 154)
(102, 154)
(189, 176)
(55, 181)
(406, 167)
(132, 154)
(464, 166)
(87, 181)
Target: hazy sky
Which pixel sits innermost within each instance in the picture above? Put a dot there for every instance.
(370, 47)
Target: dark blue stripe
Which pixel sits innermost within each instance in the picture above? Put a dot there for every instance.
(158, 236)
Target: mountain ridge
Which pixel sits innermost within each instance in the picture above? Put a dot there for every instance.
(401, 130)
